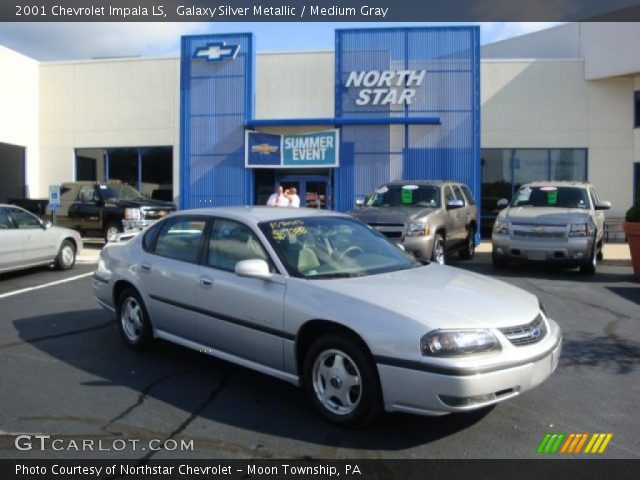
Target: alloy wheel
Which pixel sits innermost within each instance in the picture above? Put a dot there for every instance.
(337, 382)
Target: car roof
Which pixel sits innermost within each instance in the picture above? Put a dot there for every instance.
(557, 183)
(257, 214)
(423, 182)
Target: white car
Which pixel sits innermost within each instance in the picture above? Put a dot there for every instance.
(321, 300)
(26, 241)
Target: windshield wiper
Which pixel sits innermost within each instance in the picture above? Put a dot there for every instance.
(335, 275)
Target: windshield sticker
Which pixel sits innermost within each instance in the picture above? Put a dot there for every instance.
(549, 189)
(552, 197)
(524, 195)
(407, 196)
(287, 229)
(410, 187)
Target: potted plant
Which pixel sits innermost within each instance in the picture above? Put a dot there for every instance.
(631, 228)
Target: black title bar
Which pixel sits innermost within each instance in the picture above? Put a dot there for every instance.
(317, 10)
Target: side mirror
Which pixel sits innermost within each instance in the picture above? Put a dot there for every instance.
(453, 204)
(359, 203)
(255, 268)
(603, 205)
(46, 225)
(502, 203)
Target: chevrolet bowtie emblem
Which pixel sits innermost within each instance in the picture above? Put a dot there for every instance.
(264, 149)
(217, 52)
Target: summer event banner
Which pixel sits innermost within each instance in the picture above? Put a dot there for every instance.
(318, 149)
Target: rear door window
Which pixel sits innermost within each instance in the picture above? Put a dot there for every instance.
(179, 238)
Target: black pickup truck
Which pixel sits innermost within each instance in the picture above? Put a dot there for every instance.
(105, 209)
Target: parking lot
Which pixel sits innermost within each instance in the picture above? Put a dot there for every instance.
(65, 372)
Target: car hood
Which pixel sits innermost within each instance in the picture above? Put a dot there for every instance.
(391, 214)
(544, 215)
(441, 297)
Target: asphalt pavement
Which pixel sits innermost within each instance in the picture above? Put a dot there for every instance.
(65, 372)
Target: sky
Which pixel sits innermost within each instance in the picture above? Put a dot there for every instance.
(73, 41)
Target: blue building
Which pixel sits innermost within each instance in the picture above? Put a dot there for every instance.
(406, 105)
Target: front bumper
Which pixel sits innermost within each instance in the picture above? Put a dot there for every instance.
(136, 225)
(572, 250)
(414, 390)
(421, 247)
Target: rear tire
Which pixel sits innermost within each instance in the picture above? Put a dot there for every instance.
(66, 258)
(133, 320)
(469, 251)
(341, 381)
(439, 255)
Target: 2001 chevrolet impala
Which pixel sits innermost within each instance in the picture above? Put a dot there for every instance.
(323, 301)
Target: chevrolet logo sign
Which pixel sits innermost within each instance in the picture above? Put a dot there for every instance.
(217, 52)
(264, 149)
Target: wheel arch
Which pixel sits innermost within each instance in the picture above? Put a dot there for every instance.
(313, 329)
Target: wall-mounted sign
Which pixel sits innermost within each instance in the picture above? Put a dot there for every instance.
(318, 149)
(387, 87)
(217, 52)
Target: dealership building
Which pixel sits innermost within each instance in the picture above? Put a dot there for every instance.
(224, 122)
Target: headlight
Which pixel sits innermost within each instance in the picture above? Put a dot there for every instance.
(580, 230)
(448, 343)
(417, 229)
(501, 227)
(132, 213)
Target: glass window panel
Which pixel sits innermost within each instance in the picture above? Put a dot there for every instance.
(5, 223)
(232, 242)
(123, 165)
(530, 165)
(90, 164)
(496, 178)
(24, 220)
(157, 173)
(569, 164)
(180, 239)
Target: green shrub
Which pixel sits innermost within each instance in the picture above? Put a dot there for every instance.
(633, 214)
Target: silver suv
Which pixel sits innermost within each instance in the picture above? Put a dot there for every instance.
(430, 218)
(560, 222)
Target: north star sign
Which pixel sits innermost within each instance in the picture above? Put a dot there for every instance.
(387, 87)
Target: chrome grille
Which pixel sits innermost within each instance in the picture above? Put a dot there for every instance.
(538, 231)
(528, 334)
(390, 230)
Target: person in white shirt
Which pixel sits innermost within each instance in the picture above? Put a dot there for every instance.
(294, 199)
(278, 198)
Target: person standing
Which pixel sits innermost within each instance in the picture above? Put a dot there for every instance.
(294, 199)
(278, 198)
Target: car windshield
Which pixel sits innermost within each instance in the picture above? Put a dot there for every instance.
(561, 197)
(424, 196)
(333, 247)
(120, 192)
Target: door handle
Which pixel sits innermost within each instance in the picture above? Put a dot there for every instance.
(145, 267)
(206, 282)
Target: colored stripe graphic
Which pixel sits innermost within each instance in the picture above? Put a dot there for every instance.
(572, 443)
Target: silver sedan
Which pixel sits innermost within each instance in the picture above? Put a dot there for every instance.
(26, 241)
(323, 301)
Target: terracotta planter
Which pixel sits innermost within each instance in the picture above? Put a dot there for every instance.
(632, 230)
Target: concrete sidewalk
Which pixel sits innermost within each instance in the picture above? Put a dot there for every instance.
(614, 253)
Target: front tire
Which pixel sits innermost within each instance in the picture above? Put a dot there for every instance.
(439, 254)
(111, 232)
(341, 380)
(66, 258)
(590, 267)
(133, 320)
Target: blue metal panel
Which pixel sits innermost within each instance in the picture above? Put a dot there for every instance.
(216, 103)
(450, 93)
